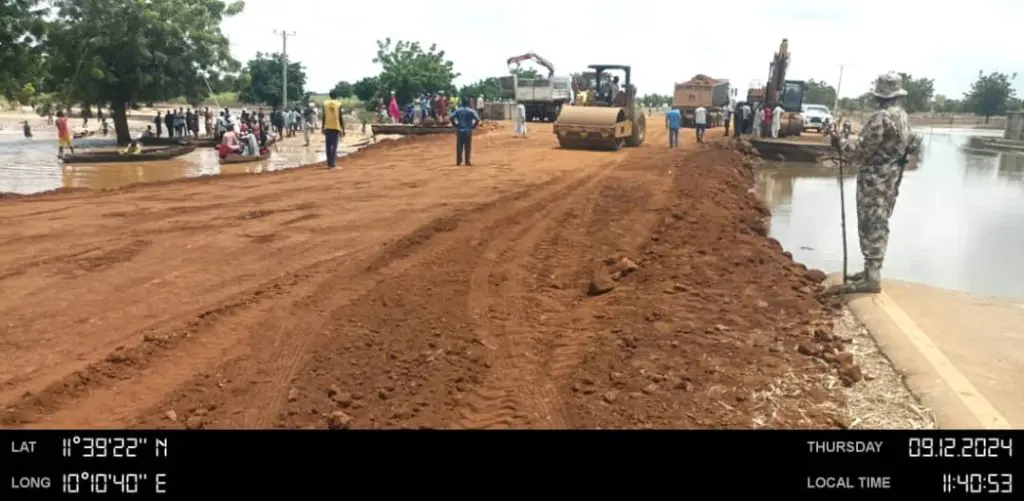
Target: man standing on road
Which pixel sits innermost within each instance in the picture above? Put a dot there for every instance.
(673, 121)
(746, 119)
(308, 117)
(700, 122)
(465, 119)
(521, 120)
(881, 152)
(726, 116)
(333, 125)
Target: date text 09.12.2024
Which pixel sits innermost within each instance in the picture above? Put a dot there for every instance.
(960, 447)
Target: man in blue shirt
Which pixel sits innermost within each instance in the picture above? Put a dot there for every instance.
(673, 120)
(465, 119)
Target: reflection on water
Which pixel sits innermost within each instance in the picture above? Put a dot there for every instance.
(31, 165)
(958, 223)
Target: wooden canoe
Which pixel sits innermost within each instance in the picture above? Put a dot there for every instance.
(203, 142)
(241, 159)
(100, 157)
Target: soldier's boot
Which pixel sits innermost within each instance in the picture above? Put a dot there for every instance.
(856, 277)
(870, 281)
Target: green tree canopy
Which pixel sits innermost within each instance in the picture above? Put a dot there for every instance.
(656, 100)
(264, 85)
(819, 92)
(344, 89)
(525, 73)
(991, 94)
(919, 93)
(366, 88)
(22, 28)
(408, 70)
(943, 104)
(122, 53)
(490, 88)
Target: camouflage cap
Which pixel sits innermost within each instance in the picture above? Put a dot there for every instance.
(888, 86)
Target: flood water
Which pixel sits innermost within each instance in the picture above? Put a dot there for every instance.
(958, 222)
(30, 165)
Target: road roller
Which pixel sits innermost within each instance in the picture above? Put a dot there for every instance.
(610, 118)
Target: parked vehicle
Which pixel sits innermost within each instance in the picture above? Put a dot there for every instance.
(817, 117)
(701, 90)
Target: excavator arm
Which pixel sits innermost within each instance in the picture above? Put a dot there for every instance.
(514, 62)
(777, 73)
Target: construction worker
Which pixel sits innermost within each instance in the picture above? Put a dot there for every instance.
(333, 127)
(465, 120)
(673, 121)
(521, 120)
(884, 144)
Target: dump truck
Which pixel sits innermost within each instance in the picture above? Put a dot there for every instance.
(543, 97)
(609, 120)
(702, 90)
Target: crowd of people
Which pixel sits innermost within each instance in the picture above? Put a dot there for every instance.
(428, 108)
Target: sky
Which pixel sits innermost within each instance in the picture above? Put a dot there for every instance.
(664, 41)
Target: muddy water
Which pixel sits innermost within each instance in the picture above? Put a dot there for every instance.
(958, 223)
(31, 165)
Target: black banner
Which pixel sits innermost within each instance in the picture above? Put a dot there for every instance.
(803, 464)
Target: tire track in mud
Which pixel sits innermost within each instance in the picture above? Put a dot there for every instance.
(250, 388)
(532, 323)
(514, 393)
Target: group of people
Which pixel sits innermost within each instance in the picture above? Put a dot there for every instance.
(674, 122)
(248, 134)
(183, 123)
(435, 107)
(757, 119)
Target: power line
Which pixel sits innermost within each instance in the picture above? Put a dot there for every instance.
(284, 65)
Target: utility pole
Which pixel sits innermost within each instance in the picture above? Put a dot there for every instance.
(284, 65)
(839, 85)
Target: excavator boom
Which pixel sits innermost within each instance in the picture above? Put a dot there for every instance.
(514, 62)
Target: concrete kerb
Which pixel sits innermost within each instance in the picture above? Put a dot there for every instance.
(929, 375)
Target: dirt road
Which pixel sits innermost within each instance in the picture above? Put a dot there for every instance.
(401, 291)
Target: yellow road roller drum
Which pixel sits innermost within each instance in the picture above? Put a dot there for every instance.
(592, 128)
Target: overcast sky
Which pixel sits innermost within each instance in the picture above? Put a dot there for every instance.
(665, 41)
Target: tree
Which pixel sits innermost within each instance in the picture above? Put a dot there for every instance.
(819, 92)
(991, 94)
(943, 104)
(919, 93)
(264, 83)
(656, 100)
(408, 70)
(522, 73)
(125, 53)
(490, 88)
(22, 29)
(851, 104)
(344, 89)
(366, 88)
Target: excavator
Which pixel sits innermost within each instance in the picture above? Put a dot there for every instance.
(788, 93)
(608, 120)
(516, 61)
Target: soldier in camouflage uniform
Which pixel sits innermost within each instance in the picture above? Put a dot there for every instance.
(884, 141)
